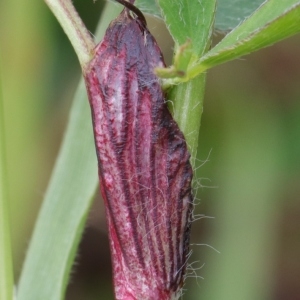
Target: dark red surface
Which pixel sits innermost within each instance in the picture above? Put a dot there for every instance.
(144, 169)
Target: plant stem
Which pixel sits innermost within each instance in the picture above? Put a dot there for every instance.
(6, 265)
(187, 99)
(74, 28)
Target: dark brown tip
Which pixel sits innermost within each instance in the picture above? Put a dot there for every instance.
(135, 10)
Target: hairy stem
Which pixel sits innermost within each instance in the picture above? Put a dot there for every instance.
(74, 28)
(187, 108)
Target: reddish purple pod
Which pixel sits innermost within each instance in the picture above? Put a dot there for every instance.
(144, 169)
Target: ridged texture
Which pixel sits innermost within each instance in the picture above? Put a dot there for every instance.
(144, 169)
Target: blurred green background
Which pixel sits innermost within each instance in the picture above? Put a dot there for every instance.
(248, 185)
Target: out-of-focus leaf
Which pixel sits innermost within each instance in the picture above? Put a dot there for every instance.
(271, 23)
(231, 13)
(6, 270)
(251, 147)
(68, 198)
(149, 7)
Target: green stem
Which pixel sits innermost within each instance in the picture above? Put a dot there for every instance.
(187, 108)
(74, 28)
(6, 264)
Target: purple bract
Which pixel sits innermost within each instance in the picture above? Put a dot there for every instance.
(144, 167)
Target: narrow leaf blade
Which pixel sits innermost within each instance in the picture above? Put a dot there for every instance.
(273, 22)
(62, 217)
(6, 264)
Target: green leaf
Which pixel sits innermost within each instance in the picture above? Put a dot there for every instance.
(149, 7)
(62, 216)
(68, 198)
(189, 19)
(230, 13)
(6, 265)
(271, 23)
